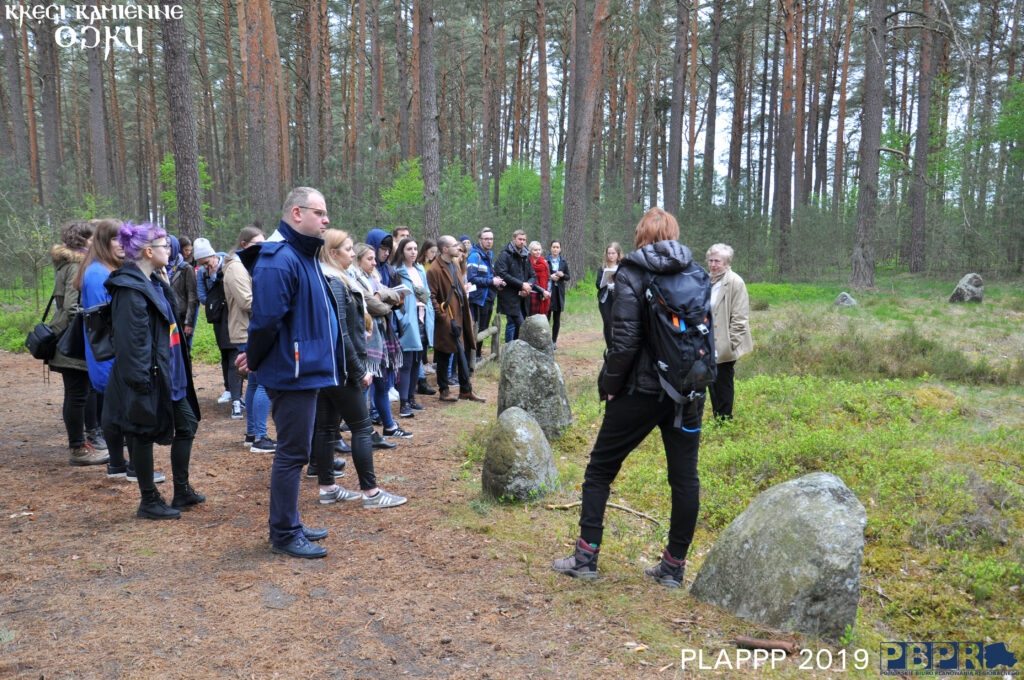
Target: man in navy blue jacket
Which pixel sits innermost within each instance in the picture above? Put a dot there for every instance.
(294, 350)
(480, 272)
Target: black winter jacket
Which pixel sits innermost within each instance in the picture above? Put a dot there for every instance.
(628, 365)
(513, 265)
(352, 329)
(138, 396)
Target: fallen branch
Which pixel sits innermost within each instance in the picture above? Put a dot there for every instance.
(757, 643)
(878, 589)
(567, 506)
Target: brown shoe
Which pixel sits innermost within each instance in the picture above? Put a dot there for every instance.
(446, 395)
(471, 397)
(86, 455)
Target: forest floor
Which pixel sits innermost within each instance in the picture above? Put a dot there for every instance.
(87, 590)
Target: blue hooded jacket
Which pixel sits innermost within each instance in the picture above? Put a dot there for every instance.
(293, 331)
(388, 276)
(480, 272)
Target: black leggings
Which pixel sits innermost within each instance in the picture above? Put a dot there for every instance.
(115, 440)
(76, 399)
(332, 404)
(232, 380)
(185, 424)
(555, 317)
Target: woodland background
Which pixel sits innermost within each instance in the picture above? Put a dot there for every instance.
(819, 137)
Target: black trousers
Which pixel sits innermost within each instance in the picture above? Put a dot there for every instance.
(482, 315)
(628, 419)
(76, 397)
(115, 439)
(722, 391)
(332, 404)
(185, 425)
(232, 380)
(442, 370)
(555, 319)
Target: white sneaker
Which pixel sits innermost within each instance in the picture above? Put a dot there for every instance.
(428, 369)
(383, 499)
(236, 410)
(224, 398)
(393, 394)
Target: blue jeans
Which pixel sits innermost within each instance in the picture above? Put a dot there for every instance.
(512, 324)
(379, 395)
(294, 413)
(257, 409)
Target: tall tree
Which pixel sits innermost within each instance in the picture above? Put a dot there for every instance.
(431, 137)
(922, 142)
(674, 162)
(782, 209)
(629, 144)
(575, 206)
(863, 271)
(837, 182)
(47, 69)
(708, 170)
(403, 95)
(17, 104)
(97, 126)
(542, 112)
(184, 145)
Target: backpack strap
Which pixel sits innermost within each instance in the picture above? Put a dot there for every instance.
(46, 312)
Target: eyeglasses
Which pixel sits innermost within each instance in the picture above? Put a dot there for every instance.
(160, 245)
(316, 211)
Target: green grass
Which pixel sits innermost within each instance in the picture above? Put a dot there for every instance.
(915, 403)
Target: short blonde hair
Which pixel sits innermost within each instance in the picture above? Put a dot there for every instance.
(722, 249)
(656, 225)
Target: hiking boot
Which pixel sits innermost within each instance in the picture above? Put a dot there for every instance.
(397, 432)
(236, 410)
(582, 564)
(379, 442)
(264, 445)
(423, 388)
(446, 395)
(86, 455)
(470, 396)
(153, 506)
(94, 438)
(224, 398)
(669, 572)
(338, 493)
(383, 499)
(185, 496)
(405, 410)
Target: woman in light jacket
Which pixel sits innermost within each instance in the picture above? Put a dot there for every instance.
(415, 316)
(730, 309)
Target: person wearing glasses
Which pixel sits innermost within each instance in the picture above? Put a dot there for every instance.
(295, 348)
(150, 396)
(480, 272)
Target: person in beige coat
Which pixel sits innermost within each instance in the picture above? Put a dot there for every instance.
(238, 293)
(730, 309)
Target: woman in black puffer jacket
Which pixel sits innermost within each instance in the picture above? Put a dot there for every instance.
(636, 405)
(150, 396)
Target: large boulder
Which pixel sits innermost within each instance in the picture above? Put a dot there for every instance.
(532, 380)
(518, 464)
(792, 559)
(970, 289)
(844, 299)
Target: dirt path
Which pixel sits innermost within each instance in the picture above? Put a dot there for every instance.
(89, 591)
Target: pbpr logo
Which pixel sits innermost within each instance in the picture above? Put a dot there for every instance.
(946, 658)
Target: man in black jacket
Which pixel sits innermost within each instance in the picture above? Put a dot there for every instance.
(513, 267)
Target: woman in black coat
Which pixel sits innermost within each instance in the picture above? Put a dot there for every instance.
(150, 396)
(559, 268)
(636, 405)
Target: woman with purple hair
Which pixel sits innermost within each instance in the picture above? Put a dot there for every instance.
(150, 396)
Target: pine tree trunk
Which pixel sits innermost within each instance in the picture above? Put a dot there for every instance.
(629, 144)
(485, 147)
(30, 103)
(782, 209)
(431, 142)
(674, 162)
(403, 93)
(313, 83)
(51, 117)
(800, 103)
(863, 272)
(97, 128)
(183, 122)
(692, 131)
(732, 185)
(708, 168)
(19, 130)
(575, 209)
(919, 187)
(837, 182)
(542, 113)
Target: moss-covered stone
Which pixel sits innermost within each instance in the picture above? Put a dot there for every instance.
(518, 465)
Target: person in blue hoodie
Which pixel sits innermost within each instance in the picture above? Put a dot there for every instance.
(480, 273)
(295, 348)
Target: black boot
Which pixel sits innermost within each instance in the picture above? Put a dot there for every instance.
(185, 496)
(423, 388)
(153, 506)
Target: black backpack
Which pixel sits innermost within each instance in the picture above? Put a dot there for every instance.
(680, 333)
(216, 301)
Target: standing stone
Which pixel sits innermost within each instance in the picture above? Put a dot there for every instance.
(970, 289)
(518, 465)
(792, 559)
(536, 332)
(532, 380)
(844, 299)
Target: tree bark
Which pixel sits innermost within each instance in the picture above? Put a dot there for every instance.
(739, 100)
(51, 116)
(692, 131)
(782, 209)
(428, 105)
(97, 127)
(403, 90)
(708, 168)
(17, 104)
(674, 162)
(919, 186)
(487, 86)
(629, 144)
(183, 122)
(837, 182)
(863, 271)
(542, 112)
(575, 209)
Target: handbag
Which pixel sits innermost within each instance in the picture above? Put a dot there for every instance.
(72, 340)
(41, 340)
(99, 331)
